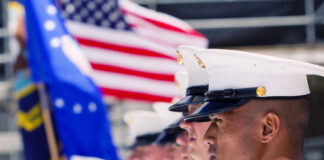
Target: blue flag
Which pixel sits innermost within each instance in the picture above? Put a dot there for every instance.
(79, 113)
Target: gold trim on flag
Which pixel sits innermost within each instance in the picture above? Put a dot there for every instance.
(24, 92)
(30, 120)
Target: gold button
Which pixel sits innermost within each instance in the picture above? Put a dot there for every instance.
(201, 64)
(260, 91)
(180, 60)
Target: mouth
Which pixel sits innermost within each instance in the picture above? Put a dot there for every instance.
(191, 139)
(211, 152)
(184, 157)
(212, 157)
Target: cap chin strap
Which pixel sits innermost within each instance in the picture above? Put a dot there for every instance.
(231, 94)
(197, 90)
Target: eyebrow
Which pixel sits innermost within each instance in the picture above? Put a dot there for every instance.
(231, 112)
(213, 116)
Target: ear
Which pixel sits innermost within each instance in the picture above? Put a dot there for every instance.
(270, 126)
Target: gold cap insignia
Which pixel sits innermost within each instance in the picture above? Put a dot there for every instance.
(194, 99)
(180, 60)
(201, 64)
(260, 91)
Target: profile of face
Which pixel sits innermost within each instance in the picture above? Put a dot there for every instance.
(172, 152)
(148, 152)
(240, 133)
(182, 141)
(196, 130)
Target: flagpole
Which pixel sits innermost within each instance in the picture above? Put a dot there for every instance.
(48, 122)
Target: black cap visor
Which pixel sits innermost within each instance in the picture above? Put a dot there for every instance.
(168, 136)
(214, 107)
(175, 124)
(144, 140)
(182, 105)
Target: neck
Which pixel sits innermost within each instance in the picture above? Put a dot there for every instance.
(282, 150)
(281, 154)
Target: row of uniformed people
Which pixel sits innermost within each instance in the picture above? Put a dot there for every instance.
(237, 106)
(153, 133)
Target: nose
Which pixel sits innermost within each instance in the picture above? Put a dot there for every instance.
(209, 137)
(186, 125)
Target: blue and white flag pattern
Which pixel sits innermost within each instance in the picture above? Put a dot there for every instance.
(79, 113)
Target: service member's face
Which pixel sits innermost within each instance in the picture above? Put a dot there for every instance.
(182, 140)
(196, 131)
(149, 152)
(232, 135)
(172, 152)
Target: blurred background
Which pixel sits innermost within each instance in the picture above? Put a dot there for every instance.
(291, 29)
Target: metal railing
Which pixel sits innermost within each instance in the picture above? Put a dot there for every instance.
(310, 19)
(145, 2)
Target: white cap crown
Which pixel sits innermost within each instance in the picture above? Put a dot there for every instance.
(167, 117)
(142, 123)
(181, 80)
(196, 75)
(278, 77)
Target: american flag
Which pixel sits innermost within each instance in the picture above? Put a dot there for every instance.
(130, 48)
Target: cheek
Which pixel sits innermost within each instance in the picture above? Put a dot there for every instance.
(177, 151)
(201, 128)
(157, 152)
(236, 138)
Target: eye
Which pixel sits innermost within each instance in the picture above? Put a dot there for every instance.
(213, 117)
(216, 121)
(191, 109)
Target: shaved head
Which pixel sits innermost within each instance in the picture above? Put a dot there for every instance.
(293, 114)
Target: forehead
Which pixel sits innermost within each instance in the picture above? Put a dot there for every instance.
(169, 146)
(138, 148)
(154, 147)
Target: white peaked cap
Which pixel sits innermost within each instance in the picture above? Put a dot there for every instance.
(166, 117)
(141, 123)
(181, 80)
(277, 77)
(196, 75)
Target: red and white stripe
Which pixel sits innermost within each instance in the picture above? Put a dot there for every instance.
(141, 64)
